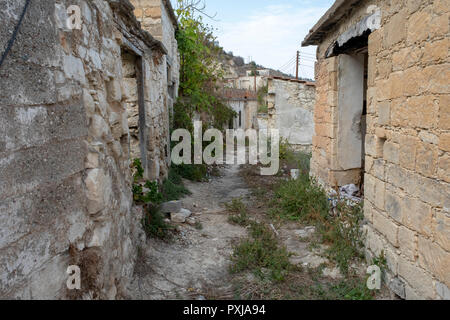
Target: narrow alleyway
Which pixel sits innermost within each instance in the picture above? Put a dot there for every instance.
(195, 264)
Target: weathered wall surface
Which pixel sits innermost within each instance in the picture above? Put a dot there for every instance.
(290, 110)
(65, 187)
(407, 167)
(157, 17)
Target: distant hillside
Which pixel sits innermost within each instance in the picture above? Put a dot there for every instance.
(235, 66)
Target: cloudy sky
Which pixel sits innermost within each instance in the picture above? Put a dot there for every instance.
(268, 31)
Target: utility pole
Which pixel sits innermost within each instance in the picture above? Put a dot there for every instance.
(298, 62)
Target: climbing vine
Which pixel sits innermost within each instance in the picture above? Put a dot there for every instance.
(201, 72)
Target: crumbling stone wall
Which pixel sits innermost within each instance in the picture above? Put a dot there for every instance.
(158, 18)
(290, 110)
(65, 187)
(407, 167)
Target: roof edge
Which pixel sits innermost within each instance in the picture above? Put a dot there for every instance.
(330, 17)
(125, 9)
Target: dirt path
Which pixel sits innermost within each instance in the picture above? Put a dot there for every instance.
(195, 264)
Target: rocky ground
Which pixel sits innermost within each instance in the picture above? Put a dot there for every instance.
(195, 264)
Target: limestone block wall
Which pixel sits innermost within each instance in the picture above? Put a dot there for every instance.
(290, 110)
(65, 186)
(158, 18)
(407, 166)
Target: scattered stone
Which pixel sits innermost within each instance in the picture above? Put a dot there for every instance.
(295, 174)
(185, 212)
(443, 291)
(177, 217)
(191, 221)
(169, 207)
(306, 232)
(332, 273)
(201, 298)
(398, 287)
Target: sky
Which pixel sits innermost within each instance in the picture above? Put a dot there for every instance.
(268, 32)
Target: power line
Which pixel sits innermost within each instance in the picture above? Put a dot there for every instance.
(307, 54)
(288, 66)
(288, 63)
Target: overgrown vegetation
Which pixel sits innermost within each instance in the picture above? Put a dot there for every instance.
(150, 194)
(201, 76)
(305, 201)
(300, 200)
(262, 103)
(173, 188)
(276, 277)
(339, 237)
(193, 172)
(261, 254)
(239, 210)
(298, 160)
(201, 72)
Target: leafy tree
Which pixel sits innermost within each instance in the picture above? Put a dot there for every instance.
(201, 72)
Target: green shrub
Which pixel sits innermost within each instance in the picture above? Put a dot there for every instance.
(240, 216)
(154, 224)
(261, 251)
(305, 201)
(193, 172)
(300, 200)
(351, 289)
(344, 235)
(173, 188)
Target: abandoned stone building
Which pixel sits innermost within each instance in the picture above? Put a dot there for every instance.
(78, 105)
(382, 121)
(290, 106)
(245, 104)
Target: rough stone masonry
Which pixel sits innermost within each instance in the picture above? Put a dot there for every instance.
(290, 110)
(382, 120)
(66, 148)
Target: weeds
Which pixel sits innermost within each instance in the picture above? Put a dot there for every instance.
(173, 188)
(198, 225)
(191, 172)
(300, 200)
(240, 216)
(344, 235)
(151, 194)
(261, 254)
(154, 224)
(305, 201)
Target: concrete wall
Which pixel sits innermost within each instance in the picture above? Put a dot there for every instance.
(65, 187)
(290, 110)
(407, 168)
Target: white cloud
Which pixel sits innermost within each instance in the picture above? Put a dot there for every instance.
(272, 35)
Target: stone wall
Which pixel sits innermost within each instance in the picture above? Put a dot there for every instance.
(407, 145)
(65, 187)
(158, 18)
(290, 110)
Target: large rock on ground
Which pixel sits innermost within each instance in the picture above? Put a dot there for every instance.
(170, 207)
